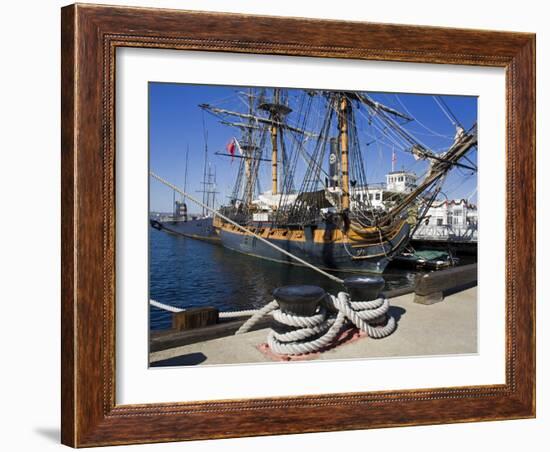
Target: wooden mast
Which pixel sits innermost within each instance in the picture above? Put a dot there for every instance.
(249, 187)
(344, 148)
(274, 150)
(274, 169)
(277, 112)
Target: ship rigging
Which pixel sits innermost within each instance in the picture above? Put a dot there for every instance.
(314, 143)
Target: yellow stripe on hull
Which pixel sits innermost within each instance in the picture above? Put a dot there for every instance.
(321, 236)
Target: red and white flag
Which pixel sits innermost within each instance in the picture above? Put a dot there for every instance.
(231, 148)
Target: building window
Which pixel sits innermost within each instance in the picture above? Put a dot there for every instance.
(440, 221)
(378, 196)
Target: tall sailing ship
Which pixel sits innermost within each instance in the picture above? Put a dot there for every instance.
(317, 207)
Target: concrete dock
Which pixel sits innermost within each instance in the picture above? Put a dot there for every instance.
(447, 327)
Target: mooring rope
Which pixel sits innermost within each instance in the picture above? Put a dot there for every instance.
(165, 307)
(258, 315)
(222, 314)
(309, 334)
(307, 340)
(233, 314)
(316, 332)
(371, 317)
(247, 231)
(366, 315)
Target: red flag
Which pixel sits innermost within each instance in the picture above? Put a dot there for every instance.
(231, 148)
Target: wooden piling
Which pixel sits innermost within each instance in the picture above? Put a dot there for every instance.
(432, 287)
(195, 318)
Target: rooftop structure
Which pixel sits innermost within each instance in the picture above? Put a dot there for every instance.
(401, 181)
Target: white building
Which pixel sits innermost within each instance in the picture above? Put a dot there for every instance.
(456, 212)
(449, 220)
(400, 181)
(378, 194)
(373, 195)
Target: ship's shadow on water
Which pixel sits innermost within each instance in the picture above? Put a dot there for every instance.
(189, 273)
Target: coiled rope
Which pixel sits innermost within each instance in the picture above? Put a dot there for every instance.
(309, 334)
(313, 333)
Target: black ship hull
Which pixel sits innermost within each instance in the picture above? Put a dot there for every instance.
(197, 228)
(339, 256)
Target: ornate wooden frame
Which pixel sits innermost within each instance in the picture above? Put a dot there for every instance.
(90, 35)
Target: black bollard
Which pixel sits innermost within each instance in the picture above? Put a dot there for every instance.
(299, 300)
(364, 288)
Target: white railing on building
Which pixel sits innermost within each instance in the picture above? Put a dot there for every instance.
(447, 232)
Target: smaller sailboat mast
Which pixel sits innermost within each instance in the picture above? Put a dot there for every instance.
(248, 150)
(205, 132)
(186, 167)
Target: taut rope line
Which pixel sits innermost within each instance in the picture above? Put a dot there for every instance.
(222, 315)
(242, 228)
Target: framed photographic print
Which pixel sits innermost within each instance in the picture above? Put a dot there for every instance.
(281, 225)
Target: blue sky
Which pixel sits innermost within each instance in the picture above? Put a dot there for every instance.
(176, 123)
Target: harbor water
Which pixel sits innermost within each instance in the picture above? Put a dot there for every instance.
(188, 273)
